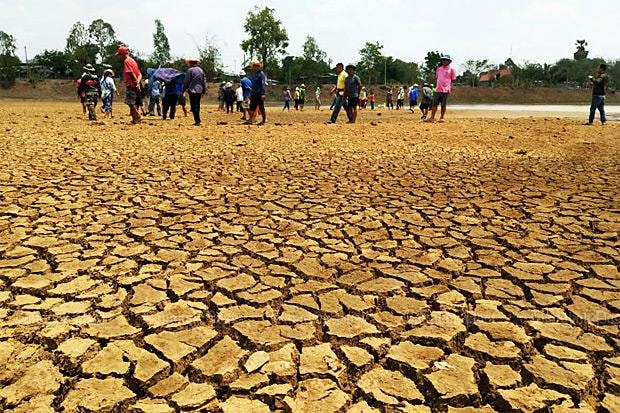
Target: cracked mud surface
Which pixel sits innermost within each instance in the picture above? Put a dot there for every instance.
(399, 267)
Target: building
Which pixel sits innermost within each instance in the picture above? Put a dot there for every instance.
(493, 76)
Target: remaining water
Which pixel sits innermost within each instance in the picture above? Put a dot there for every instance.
(609, 109)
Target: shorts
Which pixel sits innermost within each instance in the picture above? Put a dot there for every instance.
(182, 100)
(257, 102)
(413, 103)
(353, 102)
(440, 98)
(91, 98)
(244, 104)
(83, 99)
(425, 105)
(131, 96)
(302, 101)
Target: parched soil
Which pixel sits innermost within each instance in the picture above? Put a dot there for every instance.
(390, 265)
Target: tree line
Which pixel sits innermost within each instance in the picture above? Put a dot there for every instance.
(267, 40)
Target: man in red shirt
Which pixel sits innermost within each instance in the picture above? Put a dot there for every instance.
(132, 78)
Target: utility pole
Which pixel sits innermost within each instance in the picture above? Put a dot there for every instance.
(385, 72)
(27, 66)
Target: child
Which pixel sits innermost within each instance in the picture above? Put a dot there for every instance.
(372, 100)
(427, 98)
(400, 98)
(108, 89)
(286, 95)
(239, 96)
(363, 98)
(317, 98)
(413, 97)
(144, 93)
(229, 97)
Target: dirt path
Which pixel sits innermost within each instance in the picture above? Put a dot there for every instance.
(300, 267)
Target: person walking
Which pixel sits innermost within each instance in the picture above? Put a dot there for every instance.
(90, 86)
(427, 99)
(400, 98)
(413, 97)
(108, 90)
(220, 97)
(155, 99)
(363, 98)
(388, 99)
(196, 85)
(339, 90)
(239, 98)
(599, 82)
(171, 98)
(353, 87)
(445, 75)
(246, 85)
(286, 97)
(372, 99)
(296, 97)
(258, 94)
(132, 77)
(229, 97)
(302, 97)
(317, 98)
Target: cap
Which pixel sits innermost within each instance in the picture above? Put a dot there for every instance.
(228, 84)
(242, 73)
(446, 57)
(122, 50)
(192, 59)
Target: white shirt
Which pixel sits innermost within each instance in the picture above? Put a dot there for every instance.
(239, 93)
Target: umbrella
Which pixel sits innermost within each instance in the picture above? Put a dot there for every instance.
(168, 74)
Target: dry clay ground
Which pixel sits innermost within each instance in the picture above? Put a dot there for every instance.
(302, 267)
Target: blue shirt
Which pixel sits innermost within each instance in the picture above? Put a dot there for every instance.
(246, 86)
(258, 84)
(413, 94)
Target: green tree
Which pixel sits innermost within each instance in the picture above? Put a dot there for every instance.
(210, 58)
(161, 45)
(475, 69)
(102, 35)
(372, 62)
(79, 48)
(7, 44)
(401, 72)
(431, 61)
(267, 39)
(55, 61)
(312, 51)
(581, 53)
(8, 61)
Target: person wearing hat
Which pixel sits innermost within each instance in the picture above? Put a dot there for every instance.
(340, 100)
(413, 97)
(196, 85)
(132, 77)
(246, 86)
(427, 99)
(302, 96)
(296, 97)
(239, 98)
(229, 97)
(445, 75)
(258, 94)
(352, 89)
(220, 97)
(286, 96)
(90, 86)
(108, 90)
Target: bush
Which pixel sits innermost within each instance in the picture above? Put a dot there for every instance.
(8, 70)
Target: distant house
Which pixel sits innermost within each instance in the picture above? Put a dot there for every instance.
(493, 76)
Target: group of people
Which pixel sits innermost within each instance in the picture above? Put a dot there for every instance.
(250, 95)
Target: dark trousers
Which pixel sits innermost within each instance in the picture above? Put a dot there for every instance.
(229, 107)
(170, 102)
(341, 102)
(194, 104)
(598, 102)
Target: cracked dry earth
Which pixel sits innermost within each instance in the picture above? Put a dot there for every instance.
(397, 267)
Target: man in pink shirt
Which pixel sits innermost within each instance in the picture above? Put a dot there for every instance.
(132, 78)
(445, 75)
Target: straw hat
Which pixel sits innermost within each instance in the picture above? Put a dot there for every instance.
(255, 63)
(109, 72)
(89, 68)
(192, 59)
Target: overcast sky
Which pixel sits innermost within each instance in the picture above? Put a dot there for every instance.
(526, 30)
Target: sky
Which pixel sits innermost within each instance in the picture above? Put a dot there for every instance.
(541, 31)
